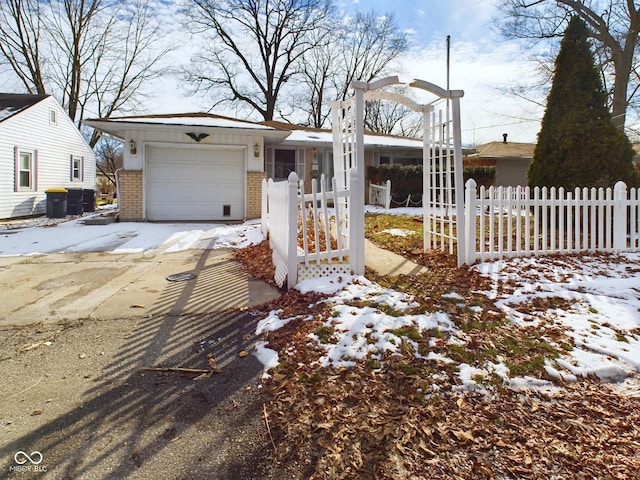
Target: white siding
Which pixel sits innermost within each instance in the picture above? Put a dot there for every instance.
(55, 144)
(171, 137)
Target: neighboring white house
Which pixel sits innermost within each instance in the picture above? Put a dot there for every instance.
(40, 148)
(206, 167)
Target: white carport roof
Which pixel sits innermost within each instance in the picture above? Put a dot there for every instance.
(185, 122)
(302, 136)
(370, 140)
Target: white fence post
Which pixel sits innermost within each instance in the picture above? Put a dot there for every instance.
(620, 217)
(387, 195)
(264, 219)
(356, 221)
(470, 222)
(292, 222)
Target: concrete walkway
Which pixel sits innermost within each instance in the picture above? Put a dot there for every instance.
(385, 262)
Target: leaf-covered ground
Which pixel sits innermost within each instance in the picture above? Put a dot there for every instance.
(410, 412)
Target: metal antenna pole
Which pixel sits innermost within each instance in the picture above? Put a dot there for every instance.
(448, 50)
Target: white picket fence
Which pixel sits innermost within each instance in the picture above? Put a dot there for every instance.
(307, 236)
(380, 194)
(519, 221)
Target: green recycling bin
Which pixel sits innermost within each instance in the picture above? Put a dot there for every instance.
(56, 202)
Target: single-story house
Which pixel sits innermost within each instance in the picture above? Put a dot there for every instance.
(40, 148)
(510, 159)
(206, 167)
(315, 151)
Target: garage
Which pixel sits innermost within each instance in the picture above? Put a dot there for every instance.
(195, 183)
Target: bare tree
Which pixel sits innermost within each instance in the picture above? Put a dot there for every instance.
(108, 161)
(369, 44)
(360, 48)
(92, 55)
(251, 49)
(315, 84)
(21, 31)
(614, 27)
(392, 118)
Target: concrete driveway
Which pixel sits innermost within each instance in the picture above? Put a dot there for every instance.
(102, 285)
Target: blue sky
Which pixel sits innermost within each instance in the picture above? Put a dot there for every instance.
(482, 63)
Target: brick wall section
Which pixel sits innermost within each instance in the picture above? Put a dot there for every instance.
(130, 200)
(254, 194)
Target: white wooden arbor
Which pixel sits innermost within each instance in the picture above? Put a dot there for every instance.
(443, 188)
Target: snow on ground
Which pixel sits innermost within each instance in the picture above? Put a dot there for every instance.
(399, 232)
(363, 331)
(604, 314)
(42, 236)
(602, 319)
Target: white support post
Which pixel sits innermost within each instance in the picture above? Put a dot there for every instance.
(470, 224)
(292, 239)
(426, 178)
(356, 187)
(457, 157)
(620, 217)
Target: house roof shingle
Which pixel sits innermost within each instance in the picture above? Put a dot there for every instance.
(13, 103)
(187, 119)
(504, 150)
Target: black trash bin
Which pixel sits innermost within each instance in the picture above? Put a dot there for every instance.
(74, 201)
(89, 200)
(56, 202)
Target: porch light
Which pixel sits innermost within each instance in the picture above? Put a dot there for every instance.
(256, 150)
(133, 148)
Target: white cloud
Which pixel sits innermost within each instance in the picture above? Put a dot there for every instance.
(485, 73)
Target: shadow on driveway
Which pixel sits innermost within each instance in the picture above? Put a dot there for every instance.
(106, 417)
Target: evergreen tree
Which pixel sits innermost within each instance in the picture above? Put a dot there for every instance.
(578, 144)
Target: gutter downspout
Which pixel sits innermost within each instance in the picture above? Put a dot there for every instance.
(118, 188)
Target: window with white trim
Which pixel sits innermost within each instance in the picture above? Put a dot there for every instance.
(76, 169)
(53, 117)
(25, 171)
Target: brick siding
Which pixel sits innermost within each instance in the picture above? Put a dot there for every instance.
(254, 194)
(130, 195)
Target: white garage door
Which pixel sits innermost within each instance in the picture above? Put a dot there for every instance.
(194, 184)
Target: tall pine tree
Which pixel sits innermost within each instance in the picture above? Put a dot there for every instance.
(578, 144)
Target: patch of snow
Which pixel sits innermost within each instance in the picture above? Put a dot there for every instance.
(326, 285)
(124, 237)
(272, 323)
(268, 357)
(399, 232)
(455, 296)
